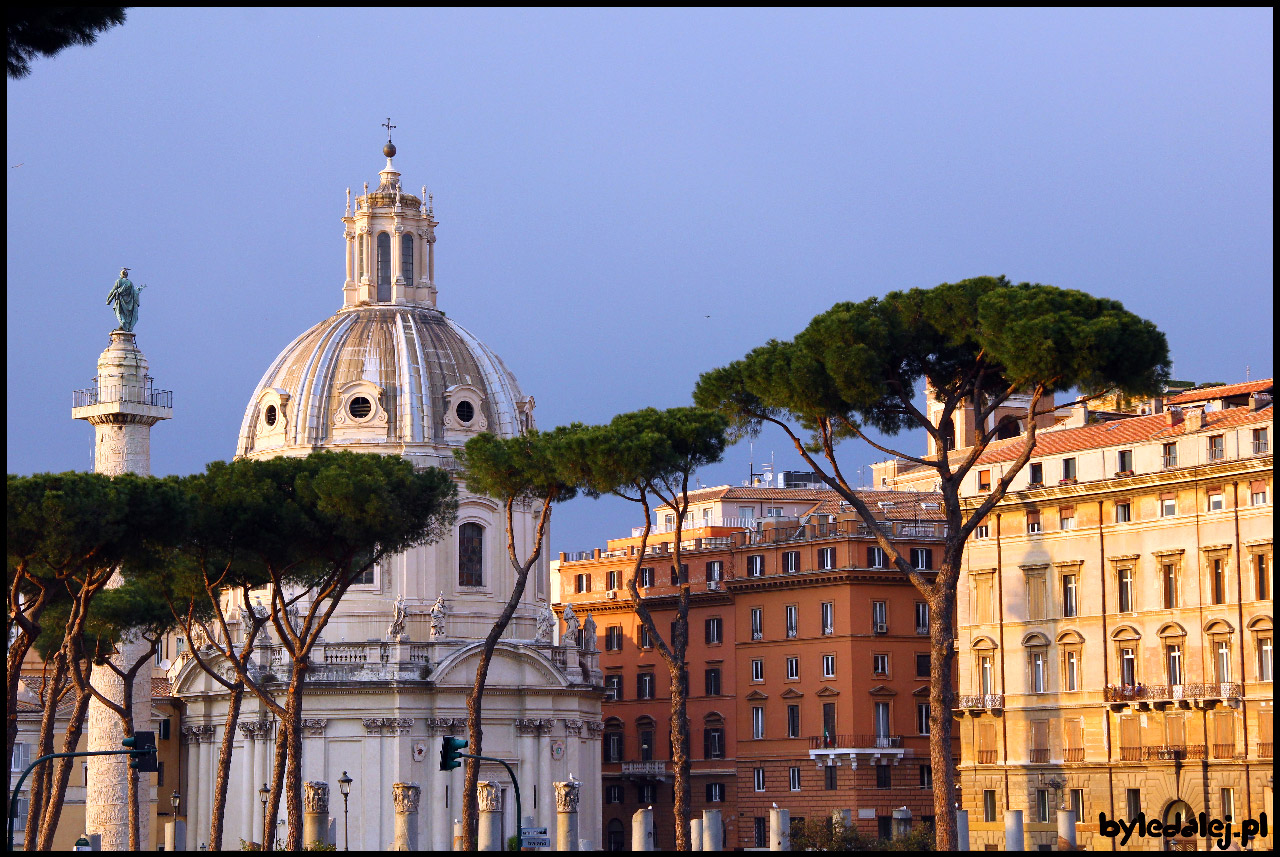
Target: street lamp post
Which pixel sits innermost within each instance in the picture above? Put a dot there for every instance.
(266, 793)
(344, 784)
(175, 799)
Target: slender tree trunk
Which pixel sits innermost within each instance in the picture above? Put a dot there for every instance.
(58, 790)
(216, 819)
(942, 700)
(277, 784)
(293, 770)
(51, 692)
(680, 754)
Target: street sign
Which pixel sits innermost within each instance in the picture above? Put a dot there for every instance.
(535, 841)
(533, 831)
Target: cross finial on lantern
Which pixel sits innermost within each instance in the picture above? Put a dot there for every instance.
(388, 126)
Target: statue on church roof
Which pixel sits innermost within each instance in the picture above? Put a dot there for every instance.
(546, 624)
(125, 299)
(571, 626)
(438, 613)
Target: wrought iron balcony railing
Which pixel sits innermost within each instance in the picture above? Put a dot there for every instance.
(1161, 692)
(855, 742)
(986, 757)
(985, 700)
(126, 393)
(1073, 754)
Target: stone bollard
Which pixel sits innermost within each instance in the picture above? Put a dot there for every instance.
(315, 813)
(779, 829)
(1066, 830)
(489, 837)
(567, 815)
(457, 834)
(712, 830)
(962, 830)
(901, 822)
(642, 830)
(1013, 830)
(406, 797)
(175, 835)
(695, 834)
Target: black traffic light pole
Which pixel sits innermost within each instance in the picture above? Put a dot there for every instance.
(448, 753)
(13, 801)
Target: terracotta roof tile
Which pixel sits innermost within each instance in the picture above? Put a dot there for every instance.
(161, 687)
(1204, 394)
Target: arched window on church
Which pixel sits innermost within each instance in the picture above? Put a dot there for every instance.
(406, 257)
(471, 555)
(384, 266)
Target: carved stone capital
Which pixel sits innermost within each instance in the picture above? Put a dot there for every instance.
(198, 734)
(567, 796)
(373, 725)
(406, 797)
(572, 727)
(528, 725)
(396, 725)
(315, 797)
(594, 728)
(444, 725)
(313, 727)
(490, 796)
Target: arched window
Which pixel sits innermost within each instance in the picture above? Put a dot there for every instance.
(471, 555)
(384, 266)
(406, 257)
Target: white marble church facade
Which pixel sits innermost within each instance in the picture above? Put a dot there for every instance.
(391, 374)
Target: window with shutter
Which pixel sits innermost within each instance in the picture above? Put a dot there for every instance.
(1175, 730)
(1036, 594)
(1073, 732)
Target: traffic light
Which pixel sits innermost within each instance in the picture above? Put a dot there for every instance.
(450, 753)
(142, 751)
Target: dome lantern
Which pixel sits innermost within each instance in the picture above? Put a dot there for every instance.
(390, 243)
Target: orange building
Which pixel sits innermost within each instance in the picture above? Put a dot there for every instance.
(808, 661)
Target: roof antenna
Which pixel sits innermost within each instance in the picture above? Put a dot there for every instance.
(1246, 372)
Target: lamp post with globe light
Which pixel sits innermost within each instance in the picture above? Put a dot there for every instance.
(344, 785)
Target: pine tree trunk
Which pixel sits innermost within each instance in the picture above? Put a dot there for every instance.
(224, 768)
(42, 778)
(58, 790)
(277, 784)
(292, 727)
(942, 702)
(680, 750)
(475, 735)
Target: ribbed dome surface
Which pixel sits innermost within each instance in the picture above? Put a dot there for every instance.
(412, 354)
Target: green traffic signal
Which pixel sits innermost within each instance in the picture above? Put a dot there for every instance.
(450, 755)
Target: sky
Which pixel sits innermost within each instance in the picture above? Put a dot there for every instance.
(627, 198)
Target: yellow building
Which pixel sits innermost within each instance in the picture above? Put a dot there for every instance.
(1115, 618)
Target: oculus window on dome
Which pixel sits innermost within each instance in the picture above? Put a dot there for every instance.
(466, 412)
(270, 415)
(359, 407)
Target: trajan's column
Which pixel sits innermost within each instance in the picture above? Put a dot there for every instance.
(122, 407)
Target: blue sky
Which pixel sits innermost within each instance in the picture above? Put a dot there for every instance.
(607, 179)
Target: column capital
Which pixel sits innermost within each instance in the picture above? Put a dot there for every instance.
(406, 796)
(490, 796)
(315, 797)
(567, 795)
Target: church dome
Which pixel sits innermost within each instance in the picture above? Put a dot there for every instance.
(388, 371)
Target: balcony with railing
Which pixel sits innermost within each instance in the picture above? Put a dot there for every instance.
(831, 747)
(983, 701)
(1216, 453)
(1264, 750)
(986, 757)
(1131, 754)
(1224, 751)
(1261, 447)
(647, 769)
(1171, 693)
(134, 394)
(1073, 754)
(1172, 753)
(911, 529)
(1169, 461)
(1039, 755)
(690, 526)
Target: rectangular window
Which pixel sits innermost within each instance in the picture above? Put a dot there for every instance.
(879, 617)
(882, 724)
(984, 480)
(1260, 444)
(828, 618)
(1124, 462)
(714, 629)
(611, 578)
(1037, 672)
(922, 664)
(989, 805)
(1266, 657)
(644, 686)
(773, 512)
(1173, 663)
(830, 778)
(1132, 803)
(613, 794)
(1169, 455)
(986, 675)
(982, 531)
(1125, 591)
(613, 638)
(1222, 661)
(613, 688)
(646, 639)
(1077, 804)
(757, 670)
(1037, 474)
(880, 664)
(922, 718)
(1128, 667)
(1037, 594)
(613, 746)
(1069, 608)
(984, 598)
(1071, 669)
(791, 561)
(1042, 806)
(1033, 522)
(646, 745)
(713, 743)
(922, 558)
(757, 623)
(828, 666)
(1216, 450)
(762, 831)
(883, 780)
(757, 776)
(793, 668)
(1228, 804)
(165, 725)
(757, 721)
(582, 583)
(715, 792)
(1216, 503)
(755, 565)
(1068, 469)
(711, 681)
(922, 618)
(826, 558)
(1168, 507)
(1123, 514)
(1219, 581)
(715, 570)
(1262, 578)
(829, 723)
(646, 577)
(682, 577)
(793, 721)
(926, 776)
(1169, 575)
(647, 793)
(1073, 732)
(875, 557)
(1067, 518)
(793, 626)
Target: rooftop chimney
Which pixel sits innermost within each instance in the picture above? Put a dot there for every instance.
(1258, 401)
(1195, 419)
(1174, 415)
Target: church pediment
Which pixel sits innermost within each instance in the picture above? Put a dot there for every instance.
(922, 690)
